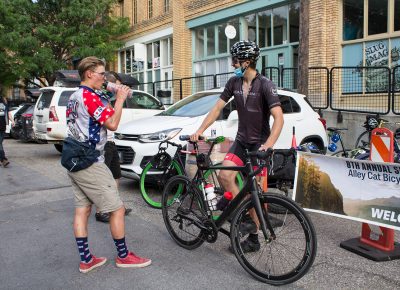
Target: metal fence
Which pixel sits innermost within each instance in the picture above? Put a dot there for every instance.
(396, 90)
(360, 89)
(374, 90)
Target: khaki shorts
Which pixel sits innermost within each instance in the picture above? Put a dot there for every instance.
(95, 185)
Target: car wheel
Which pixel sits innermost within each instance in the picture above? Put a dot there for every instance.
(59, 147)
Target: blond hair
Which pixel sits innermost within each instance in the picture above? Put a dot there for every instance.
(89, 63)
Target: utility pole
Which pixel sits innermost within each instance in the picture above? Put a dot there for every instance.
(302, 85)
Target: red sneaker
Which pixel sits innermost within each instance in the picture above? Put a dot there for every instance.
(94, 263)
(132, 261)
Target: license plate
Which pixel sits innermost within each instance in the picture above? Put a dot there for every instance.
(121, 157)
(40, 118)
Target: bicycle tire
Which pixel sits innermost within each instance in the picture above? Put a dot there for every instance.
(177, 210)
(362, 135)
(295, 240)
(152, 185)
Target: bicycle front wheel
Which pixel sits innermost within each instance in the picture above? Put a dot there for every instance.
(183, 212)
(152, 182)
(280, 259)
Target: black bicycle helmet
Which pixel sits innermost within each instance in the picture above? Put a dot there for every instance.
(244, 50)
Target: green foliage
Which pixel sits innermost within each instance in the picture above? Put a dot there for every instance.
(40, 37)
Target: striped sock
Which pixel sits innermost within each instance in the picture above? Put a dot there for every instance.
(83, 249)
(121, 247)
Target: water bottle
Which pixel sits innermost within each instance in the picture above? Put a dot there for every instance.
(113, 88)
(224, 200)
(210, 196)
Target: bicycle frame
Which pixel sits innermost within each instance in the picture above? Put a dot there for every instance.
(250, 186)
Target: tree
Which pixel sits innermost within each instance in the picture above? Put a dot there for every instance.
(39, 37)
(303, 47)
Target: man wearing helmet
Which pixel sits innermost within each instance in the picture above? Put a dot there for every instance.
(256, 99)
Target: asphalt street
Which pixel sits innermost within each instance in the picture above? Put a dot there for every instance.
(38, 250)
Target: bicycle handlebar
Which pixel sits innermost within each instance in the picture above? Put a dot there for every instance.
(187, 137)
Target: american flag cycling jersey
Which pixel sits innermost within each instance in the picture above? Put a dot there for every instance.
(86, 115)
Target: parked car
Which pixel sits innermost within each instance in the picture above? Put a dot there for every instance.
(50, 112)
(17, 129)
(27, 131)
(137, 141)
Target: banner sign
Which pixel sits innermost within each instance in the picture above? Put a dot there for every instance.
(359, 190)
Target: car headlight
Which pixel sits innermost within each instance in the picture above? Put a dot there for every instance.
(159, 136)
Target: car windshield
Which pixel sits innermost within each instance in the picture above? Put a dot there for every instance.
(193, 106)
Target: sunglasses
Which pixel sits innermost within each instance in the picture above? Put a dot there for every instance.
(100, 73)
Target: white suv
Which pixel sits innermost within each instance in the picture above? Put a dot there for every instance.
(137, 141)
(50, 112)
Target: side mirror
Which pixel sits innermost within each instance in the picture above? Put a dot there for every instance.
(232, 118)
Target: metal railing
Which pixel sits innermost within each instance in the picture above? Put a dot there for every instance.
(374, 90)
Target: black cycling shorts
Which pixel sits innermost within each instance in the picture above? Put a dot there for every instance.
(111, 159)
(237, 150)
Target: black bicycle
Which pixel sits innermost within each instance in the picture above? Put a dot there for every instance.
(288, 242)
(163, 166)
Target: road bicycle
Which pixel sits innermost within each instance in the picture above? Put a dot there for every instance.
(371, 122)
(335, 136)
(288, 242)
(163, 166)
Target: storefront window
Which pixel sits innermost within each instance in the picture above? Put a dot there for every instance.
(235, 23)
(128, 61)
(264, 28)
(397, 15)
(149, 56)
(353, 11)
(294, 16)
(211, 40)
(171, 52)
(250, 27)
(222, 39)
(199, 43)
(378, 16)
(280, 25)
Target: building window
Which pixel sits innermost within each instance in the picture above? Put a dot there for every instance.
(210, 40)
(134, 12)
(378, 16)
(150, 8)
(396, 15)
(264, 28)
(166, 6)
(294, 22)
(353, 15)
(280, 25)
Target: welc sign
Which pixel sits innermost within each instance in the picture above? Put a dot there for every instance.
(359, 190)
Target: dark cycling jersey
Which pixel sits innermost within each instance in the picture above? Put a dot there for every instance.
(255, 113)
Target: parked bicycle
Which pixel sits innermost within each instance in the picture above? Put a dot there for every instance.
(163, 166)
(335, 136)
(371, 122)
(288, 242)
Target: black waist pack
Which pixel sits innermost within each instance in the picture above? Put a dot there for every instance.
(77, 155)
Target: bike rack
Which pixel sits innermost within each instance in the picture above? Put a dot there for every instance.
(377, 246)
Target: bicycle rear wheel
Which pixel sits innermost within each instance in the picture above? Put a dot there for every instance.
(183, 213)
(363, 139)
(153, 180)
(285, 258)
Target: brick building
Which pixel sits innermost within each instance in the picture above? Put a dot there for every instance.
(184, 38)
